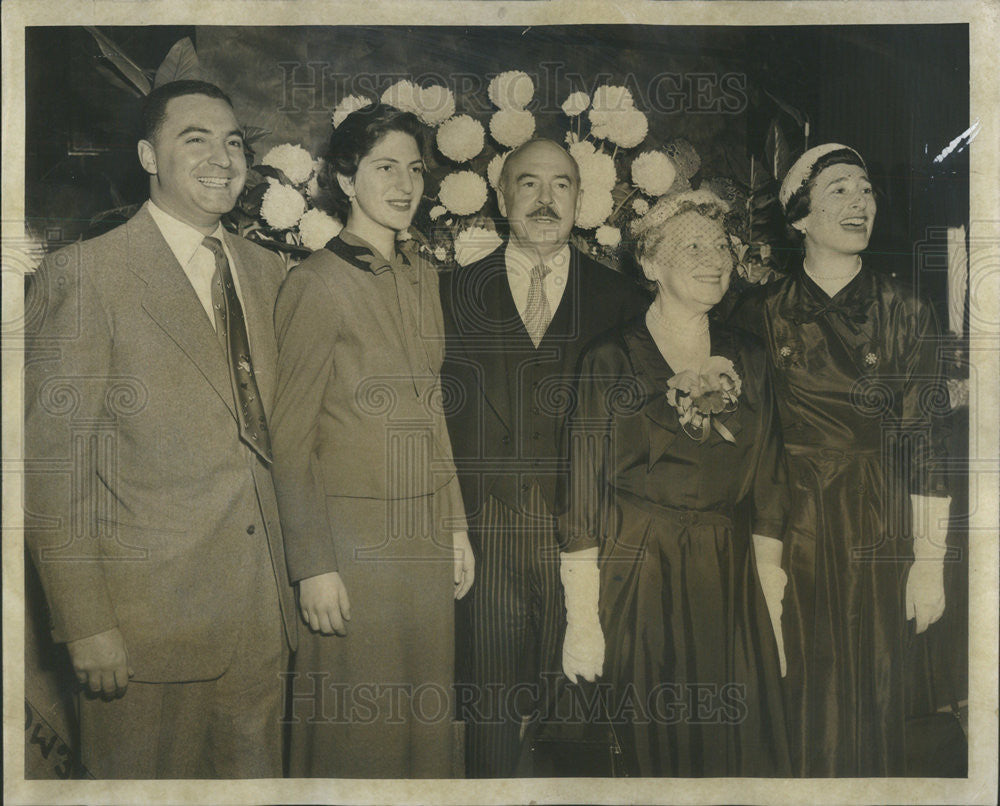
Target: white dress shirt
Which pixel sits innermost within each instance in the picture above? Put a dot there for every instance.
(195, 258)
(519, 265)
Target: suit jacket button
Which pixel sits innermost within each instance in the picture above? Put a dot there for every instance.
(251, 529)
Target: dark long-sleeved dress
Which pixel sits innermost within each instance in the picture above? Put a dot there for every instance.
(857, 383)
(690, 654)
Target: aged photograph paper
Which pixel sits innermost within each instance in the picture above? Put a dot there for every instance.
(500, 402)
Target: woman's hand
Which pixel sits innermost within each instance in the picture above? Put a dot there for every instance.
(583, 645)
(767, 551)
(324, 603)
(465, 564)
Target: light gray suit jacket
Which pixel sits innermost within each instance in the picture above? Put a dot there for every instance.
(141, 501)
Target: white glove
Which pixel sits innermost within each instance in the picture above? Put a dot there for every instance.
(583, 647)
(925, 582)
(767, 550)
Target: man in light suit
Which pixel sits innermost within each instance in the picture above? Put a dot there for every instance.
(150, 512)
(515, 324)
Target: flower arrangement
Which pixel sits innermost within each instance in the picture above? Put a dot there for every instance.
(276, 208)
(698, 396)
(620, 173)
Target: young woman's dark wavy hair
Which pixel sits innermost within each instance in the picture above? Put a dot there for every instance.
(351, 141)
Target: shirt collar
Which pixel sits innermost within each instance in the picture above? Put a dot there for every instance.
(521, 261)
(182, 238)
(362, 254)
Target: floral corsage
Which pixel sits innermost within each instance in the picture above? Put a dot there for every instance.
(697, 396)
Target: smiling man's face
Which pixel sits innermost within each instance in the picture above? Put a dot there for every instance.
(540, 193)
(196, 162)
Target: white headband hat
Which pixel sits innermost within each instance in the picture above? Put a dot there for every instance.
(798, 174)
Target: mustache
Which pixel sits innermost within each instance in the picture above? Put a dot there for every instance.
(546, 211)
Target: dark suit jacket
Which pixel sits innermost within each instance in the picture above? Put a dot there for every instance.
(140, 498)
(506, 401)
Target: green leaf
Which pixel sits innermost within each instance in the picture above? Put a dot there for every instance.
(251, 134)
(788, 109)
(252, 197)
(776, 151)
(273, 173)
(181, 62)
(122, 63)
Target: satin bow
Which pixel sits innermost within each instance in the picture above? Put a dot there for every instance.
(811, 311)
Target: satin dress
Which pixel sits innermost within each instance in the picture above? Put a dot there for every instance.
(858, 385)
(691, 672)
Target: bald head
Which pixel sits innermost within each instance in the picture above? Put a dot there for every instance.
(540, 195)
(526, 150)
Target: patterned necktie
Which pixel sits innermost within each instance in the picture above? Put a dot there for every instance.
(232, 332)
(537, 314)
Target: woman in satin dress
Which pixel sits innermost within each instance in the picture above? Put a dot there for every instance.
(684, 514)
(857, 383)
(370, 506)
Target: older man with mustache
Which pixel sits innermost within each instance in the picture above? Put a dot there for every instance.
(516, 322)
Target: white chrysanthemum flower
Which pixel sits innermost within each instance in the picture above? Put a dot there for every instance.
(611, 118)
(512, 127)
(437, 104)
(317, 228)
(597, 172)
(595, 207)
(641, 206)
(282, 206)
(461, 138)
(475, 243)
(293, 161)
(440, 254)
(608, 236)
(403, 95)
(628, 128)
(463, 192)
(612, 99)
(437, 211)
(312, 188)
(581, 149)
(576, 103)
(653, 172)
(352, 103)
(404, 235)
(511, 90)
(495, 169)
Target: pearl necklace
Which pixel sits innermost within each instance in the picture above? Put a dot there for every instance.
(667, 327)
(832, 277)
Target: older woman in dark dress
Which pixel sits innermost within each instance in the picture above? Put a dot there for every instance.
(857, 381)
(676, 454)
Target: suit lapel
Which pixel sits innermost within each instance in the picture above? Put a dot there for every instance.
(170, 301)
(487, 323)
